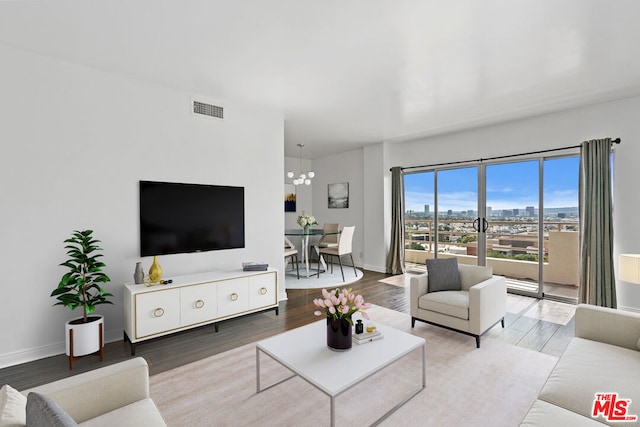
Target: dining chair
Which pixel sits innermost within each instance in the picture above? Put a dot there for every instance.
(343, 248)
(331, 237)
(290, 251)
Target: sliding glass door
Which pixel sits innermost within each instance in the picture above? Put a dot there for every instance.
(519, 217)
(456, 212)
(562, 229)
(513, 224)
(441, 209)
(419, 219)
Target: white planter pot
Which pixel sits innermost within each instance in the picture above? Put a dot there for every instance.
(86, 336)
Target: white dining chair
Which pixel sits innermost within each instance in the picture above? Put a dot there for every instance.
(343, 248)
(331, 237)
(290, 252)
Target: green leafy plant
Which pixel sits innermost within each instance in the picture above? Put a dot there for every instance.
(415, 246)
(79, 287)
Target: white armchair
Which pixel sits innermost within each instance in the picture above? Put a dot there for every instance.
(476, 308)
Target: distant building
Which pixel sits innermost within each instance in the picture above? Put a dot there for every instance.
(426, 209)
(531, 211)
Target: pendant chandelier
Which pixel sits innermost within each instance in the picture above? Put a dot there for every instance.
(302, 177)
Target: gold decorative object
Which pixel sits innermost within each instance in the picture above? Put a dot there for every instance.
(155, 271)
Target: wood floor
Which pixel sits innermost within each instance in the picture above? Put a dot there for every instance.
(539, 325)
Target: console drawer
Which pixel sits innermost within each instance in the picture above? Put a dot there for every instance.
(157, 312)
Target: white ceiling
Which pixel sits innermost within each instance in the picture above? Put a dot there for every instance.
(346, 73)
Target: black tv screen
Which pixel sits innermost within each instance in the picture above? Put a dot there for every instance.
(180, 218)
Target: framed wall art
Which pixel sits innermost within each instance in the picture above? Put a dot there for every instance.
(338, 195)
(289, 198)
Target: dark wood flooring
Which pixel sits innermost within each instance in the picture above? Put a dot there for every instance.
(178, 349)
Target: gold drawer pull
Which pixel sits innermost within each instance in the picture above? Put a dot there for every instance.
(263, 291)
(233, 297)
(199, 303)
(158, 312)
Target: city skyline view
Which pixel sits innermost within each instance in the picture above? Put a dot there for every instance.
(508, 186)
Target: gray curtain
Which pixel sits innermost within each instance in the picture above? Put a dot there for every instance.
(395, 260)
(597, 278)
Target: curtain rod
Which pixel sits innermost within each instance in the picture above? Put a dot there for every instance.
(613, 141)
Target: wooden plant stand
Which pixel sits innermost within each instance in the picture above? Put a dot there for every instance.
(73, 358)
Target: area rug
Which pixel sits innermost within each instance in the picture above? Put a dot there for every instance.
(491, 386)
(326, 280)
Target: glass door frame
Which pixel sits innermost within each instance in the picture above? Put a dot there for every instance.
(482, 207)
(481, 256)
(436, 193)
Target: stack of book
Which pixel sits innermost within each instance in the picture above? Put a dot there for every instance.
(366, 337)
(254, 266)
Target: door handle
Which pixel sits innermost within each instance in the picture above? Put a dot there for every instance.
(476, 225)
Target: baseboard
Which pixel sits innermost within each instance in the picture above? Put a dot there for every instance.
(376, 268)
(633, 309)
(29, 355)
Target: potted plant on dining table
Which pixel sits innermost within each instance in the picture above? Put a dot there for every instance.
(306, 221)
(339, 306)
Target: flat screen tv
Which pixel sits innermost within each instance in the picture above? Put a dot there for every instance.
(180, 218)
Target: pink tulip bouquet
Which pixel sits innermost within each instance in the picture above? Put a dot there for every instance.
(341, 304)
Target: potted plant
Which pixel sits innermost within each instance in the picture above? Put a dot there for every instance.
(80, 287)
(305, 221)
(339, 305)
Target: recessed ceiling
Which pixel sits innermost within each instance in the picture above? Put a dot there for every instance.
(349, 73)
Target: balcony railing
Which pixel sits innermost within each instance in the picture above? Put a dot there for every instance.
(512, 246)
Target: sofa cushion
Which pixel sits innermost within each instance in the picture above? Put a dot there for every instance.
(451, 303)
(443, 274)
(12, 407)
(546, 414)
(44, 412)
(141, 413)
(588, 367)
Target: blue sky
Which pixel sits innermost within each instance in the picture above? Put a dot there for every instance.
(509, 185)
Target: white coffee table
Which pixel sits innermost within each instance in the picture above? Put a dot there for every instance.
(304, 352)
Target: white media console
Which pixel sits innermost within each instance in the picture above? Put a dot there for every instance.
(196, 300)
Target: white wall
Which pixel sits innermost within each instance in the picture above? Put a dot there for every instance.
(345, 167)
(375, 215)
(74, 144)
(613, 119)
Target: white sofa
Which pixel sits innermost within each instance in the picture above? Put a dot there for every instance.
(604, 357)
(114, 395)
(478, 306)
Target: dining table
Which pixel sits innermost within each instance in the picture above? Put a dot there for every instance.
(305, 235)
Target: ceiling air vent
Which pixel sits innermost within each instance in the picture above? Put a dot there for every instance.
(208, 110)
